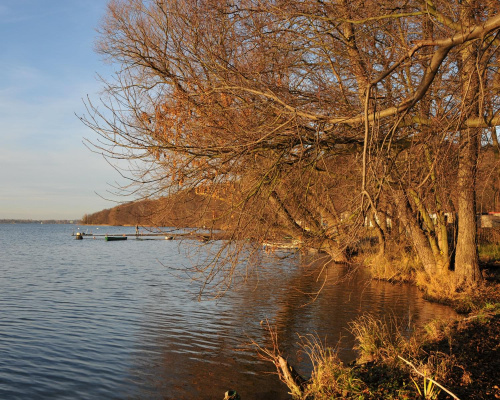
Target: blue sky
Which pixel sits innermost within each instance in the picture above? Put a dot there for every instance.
(47, 66)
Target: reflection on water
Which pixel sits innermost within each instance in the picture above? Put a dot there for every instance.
(91, 319)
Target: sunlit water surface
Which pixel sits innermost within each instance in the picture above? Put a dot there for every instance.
(90, 319)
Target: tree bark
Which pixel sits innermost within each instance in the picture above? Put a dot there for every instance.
(467, 259)
(417, 236)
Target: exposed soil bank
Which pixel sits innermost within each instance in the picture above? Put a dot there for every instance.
(475, 344)
(461, 355)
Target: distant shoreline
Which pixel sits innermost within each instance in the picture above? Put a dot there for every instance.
(40, 221)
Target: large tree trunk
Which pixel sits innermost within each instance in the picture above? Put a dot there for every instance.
(466, 259)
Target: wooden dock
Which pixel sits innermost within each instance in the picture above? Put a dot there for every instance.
(149, 236)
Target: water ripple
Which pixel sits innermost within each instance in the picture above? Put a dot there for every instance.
(96, 320)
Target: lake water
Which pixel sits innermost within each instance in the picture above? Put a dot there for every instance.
(90, 319)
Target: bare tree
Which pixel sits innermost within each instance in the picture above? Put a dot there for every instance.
(320, 113)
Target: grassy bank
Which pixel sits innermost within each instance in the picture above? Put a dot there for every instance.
(399, 264)
(452, 360)
(461, 356)
(459, 359)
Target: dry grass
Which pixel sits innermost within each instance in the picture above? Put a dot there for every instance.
(392, 364)
(399, 264)
(440, 288)
(330, 377)
(396, 266)
(377, 340)
(436, 330)
(387, 343)
(464, 299)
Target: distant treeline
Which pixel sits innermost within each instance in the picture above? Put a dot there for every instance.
(38, 221)
(185, 209)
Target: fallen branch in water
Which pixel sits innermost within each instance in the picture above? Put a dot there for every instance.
(286, 373)
(291, 378)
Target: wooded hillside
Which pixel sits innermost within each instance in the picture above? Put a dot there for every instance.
(185, 209)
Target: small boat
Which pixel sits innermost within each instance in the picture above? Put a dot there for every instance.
(113, 238)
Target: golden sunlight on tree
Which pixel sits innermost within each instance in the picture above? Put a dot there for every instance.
(322, 117)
